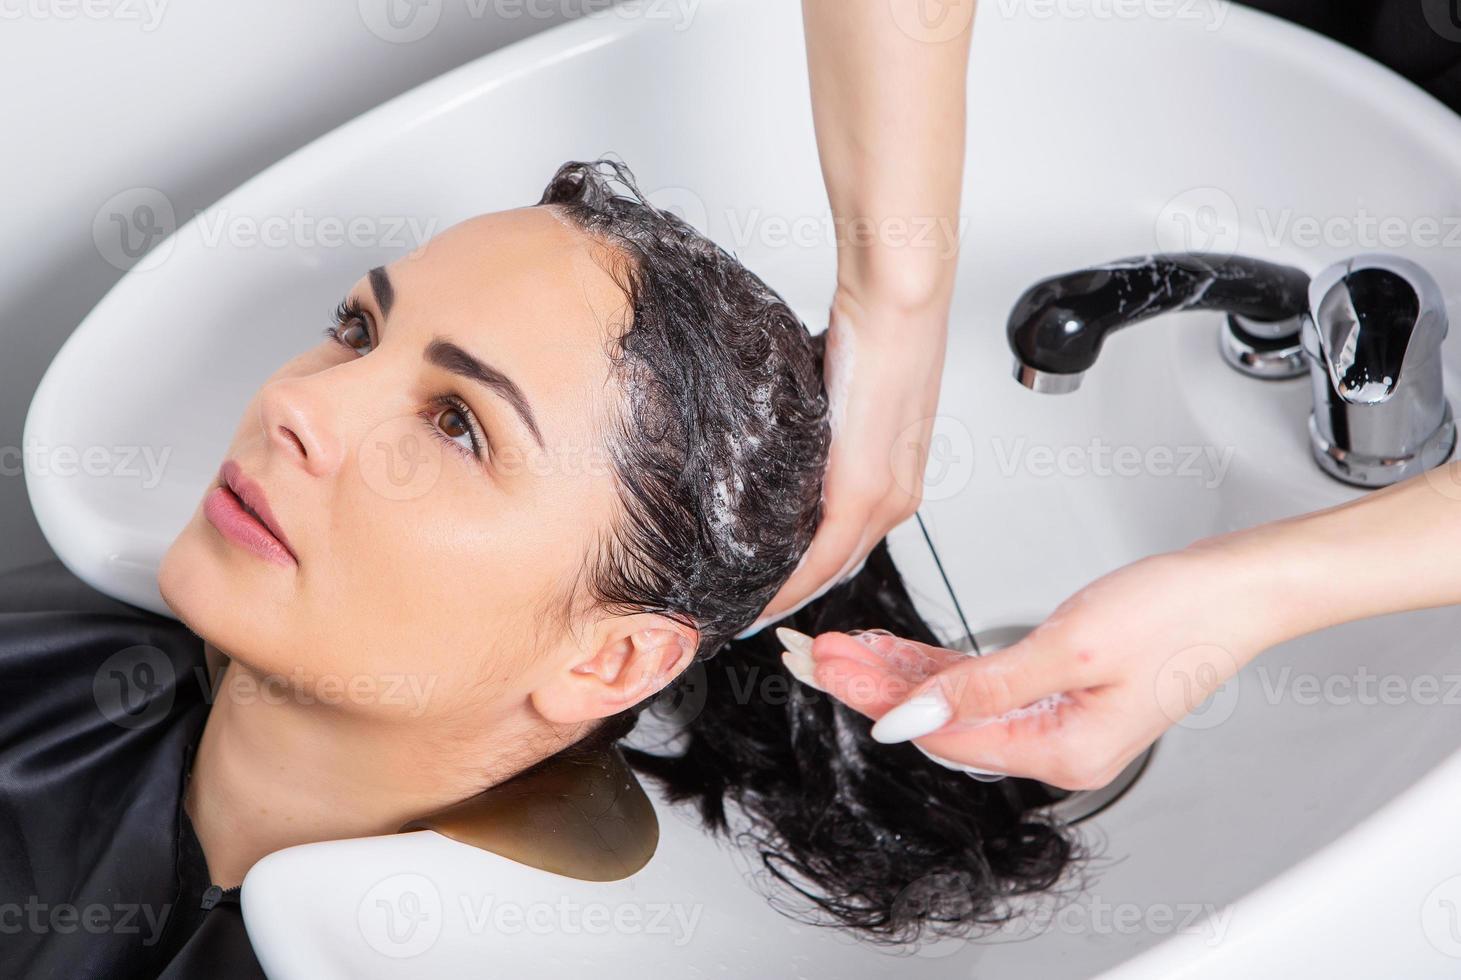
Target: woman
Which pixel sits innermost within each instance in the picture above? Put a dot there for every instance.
(536, 471)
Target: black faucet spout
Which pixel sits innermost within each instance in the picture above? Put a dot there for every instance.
(1058, 325)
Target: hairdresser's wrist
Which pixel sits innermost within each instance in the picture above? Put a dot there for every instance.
(1302, 574)
(906, 322)
(896, 307)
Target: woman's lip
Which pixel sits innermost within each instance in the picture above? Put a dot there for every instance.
(226, 512)
(238, 508)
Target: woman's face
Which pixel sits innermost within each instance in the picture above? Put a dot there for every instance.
(440, 480)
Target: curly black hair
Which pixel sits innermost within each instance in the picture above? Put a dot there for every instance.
(719, 451)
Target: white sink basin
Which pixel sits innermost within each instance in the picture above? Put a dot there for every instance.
(1315, 834)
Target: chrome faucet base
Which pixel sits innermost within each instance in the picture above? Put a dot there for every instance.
(1366, 471)
(1266, 351)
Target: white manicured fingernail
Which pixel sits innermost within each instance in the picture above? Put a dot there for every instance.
(800, 666)
(916, 717)
(794, 641)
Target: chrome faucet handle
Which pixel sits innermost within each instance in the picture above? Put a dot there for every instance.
(1377, 315)
(1373, 340)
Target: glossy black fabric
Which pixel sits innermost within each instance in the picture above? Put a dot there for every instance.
(101, 875)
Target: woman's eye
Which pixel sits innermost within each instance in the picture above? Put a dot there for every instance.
(452, 424)
(355, 336)
(349, 328)
(447, 417)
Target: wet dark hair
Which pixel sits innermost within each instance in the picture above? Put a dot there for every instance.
(719, 450)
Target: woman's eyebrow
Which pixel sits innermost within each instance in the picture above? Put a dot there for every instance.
(445, 354)
(385, 293)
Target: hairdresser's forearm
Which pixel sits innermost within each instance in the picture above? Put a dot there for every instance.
(889, 110)
(1392, 550)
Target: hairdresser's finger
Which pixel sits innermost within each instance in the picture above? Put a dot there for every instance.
(871, 689)
(1060, 746)
(870, 671)
(983, 688)
(831, 548)
(1072, 744)
(899, 664)
(913, 660)
(1074, 740)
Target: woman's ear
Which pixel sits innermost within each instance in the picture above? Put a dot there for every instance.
(628, 659)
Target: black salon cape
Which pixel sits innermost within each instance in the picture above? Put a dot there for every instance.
(101, 875)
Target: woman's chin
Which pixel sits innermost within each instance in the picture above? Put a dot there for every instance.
(208, 588)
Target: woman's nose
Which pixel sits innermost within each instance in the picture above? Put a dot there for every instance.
(299, 423)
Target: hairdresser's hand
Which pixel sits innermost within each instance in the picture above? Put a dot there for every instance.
(882, 372)
(1112, 668)
(888, 104)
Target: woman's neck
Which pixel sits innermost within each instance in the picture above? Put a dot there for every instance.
(273, 770)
